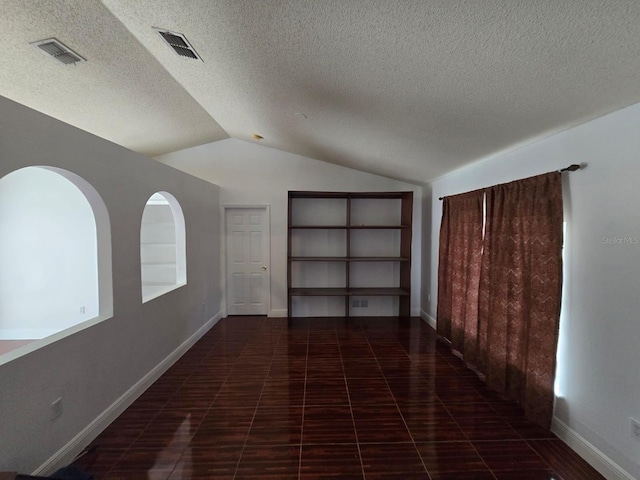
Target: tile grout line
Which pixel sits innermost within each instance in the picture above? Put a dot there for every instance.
(353, 419)
(464, 434)
(398, 407)
(304, 402)
(544, 460)
(211, 405)
(226, 378)
(255, 412)
(207, 410)
(458, 425)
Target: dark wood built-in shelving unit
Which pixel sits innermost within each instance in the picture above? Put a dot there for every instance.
(330, 206)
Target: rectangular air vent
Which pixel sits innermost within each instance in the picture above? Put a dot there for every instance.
(179, 43)
(58, 50)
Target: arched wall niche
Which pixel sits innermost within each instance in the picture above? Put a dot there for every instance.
(163, 260)
(55, 251)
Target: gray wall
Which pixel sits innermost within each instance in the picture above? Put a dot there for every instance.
(92, 368)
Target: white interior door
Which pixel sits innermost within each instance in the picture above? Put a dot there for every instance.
(247, 261)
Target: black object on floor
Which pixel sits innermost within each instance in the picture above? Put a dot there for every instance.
(71, 472)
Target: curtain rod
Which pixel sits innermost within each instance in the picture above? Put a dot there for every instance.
(570, 168)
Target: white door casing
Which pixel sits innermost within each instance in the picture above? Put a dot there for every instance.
(247, 260)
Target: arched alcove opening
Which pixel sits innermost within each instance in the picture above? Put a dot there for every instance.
(162, 246)
(55, 252)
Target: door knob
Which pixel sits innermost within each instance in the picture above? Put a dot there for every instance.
(264, 267)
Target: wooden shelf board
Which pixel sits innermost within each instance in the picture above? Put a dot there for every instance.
(378, 259)
(348, 259)
(378, 227)
(352, 227)
(318, 259)
(318, 292)
(319, 227)
(375, 195)
(373, 292)
(365, 195)
(347, 292)
(298, 194)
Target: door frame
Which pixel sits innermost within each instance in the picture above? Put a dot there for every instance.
(223, 251)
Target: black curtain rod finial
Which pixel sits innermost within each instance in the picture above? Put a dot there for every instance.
(571, 168)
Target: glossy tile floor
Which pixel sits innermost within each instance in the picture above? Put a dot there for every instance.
(261, 398)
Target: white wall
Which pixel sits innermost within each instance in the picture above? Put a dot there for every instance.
(250, 174)
(92, 368)
(427, 300)
(48, 253)
(598, 358)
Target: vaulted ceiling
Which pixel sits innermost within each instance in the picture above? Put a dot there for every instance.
(410, 89)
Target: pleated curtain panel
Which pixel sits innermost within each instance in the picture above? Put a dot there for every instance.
(500, 286)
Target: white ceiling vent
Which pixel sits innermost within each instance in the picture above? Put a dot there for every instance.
(179, 43)
(59, 51)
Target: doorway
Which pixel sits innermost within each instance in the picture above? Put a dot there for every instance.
(247, 261)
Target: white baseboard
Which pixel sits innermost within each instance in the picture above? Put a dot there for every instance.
(415, 312)
(66, 454)
(428, 318)
(594, 457)
(278, 313)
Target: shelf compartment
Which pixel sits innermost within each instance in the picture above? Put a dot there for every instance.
(366, 306)
(317, 306)
(318, 243)
(318, 274)
(375, 243)
(326, 211)
(376, 211)
(374, 274)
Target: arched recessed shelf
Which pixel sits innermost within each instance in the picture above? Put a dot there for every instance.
(162, 246)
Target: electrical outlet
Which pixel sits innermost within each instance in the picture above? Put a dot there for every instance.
(428, 297)
(56, 408)
(635, 429)
(83, 309)
(364, 303)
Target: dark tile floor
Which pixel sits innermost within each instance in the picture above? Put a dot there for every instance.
(326, 398)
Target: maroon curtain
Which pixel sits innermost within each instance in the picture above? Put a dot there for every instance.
(520, 290)
(459, 271)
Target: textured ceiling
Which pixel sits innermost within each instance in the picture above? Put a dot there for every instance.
(410, 89)
(121, 93)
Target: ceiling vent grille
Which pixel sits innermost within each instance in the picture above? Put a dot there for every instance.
(59, 51)
(179, 43)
